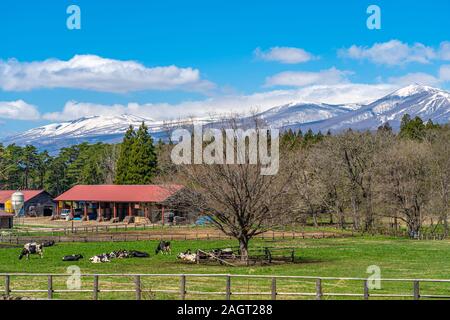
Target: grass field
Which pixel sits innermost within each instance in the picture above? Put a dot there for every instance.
(341, 257)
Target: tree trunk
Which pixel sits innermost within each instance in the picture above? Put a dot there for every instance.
(243, 246)
(315, 222)
(445, 226)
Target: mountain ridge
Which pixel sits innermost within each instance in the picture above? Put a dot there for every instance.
(416, 100)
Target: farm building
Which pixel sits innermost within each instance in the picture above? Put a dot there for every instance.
(37, 202)
(119, 202)
(6, 220)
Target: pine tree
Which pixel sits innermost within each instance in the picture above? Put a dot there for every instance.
(412, 128)
(123, 163)
(143, 159)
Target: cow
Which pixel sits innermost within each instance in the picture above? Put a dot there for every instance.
(73, 257)
(32, 248)
(187, 256)
(100, 258)
(138, 254)
(163, 247)
(50, 243)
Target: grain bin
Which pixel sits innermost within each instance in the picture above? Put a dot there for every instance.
(17, 201)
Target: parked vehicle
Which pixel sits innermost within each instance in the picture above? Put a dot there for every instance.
(64, 213)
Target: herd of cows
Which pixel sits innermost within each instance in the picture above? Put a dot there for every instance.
(163, 247)
(38, 249)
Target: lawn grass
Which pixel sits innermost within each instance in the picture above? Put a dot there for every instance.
(334, 257)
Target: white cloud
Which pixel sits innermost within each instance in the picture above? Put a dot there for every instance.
(302, 78)
(332, 94)
(18, 110)
(418, 77)
(444, 73)
(286, 55)
(423, 78)
(444, 50)
(92, 72)
(393, 52)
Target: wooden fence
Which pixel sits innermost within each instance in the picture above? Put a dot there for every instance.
(227, 293)
(163, 235)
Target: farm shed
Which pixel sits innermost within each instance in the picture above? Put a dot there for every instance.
(6, 220)
(37, 202)
(118, 202)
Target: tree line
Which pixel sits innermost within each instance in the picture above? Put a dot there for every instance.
(363, 181)
(358, 180)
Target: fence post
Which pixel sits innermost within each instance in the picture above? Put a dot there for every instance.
(50, 287)
(366, 290)
(137, 284)
(228, 288)
(416, 290)
(183, 287)
(319, 293)
(7, 285)
(274, 288)
(95, 296)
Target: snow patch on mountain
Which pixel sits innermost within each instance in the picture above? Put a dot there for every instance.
(425, 102)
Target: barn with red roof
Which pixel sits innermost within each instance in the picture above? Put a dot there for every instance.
(118, 202)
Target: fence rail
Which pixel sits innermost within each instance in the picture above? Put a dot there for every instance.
(162, 235)
(183, 293)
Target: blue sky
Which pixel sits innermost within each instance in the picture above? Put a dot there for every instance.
(167, 59)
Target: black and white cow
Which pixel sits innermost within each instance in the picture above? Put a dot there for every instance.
(163, 247)
(73, 257)
(32, 248)
(101, 258)
(187, 256)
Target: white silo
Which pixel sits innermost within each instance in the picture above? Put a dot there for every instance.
(17, 201)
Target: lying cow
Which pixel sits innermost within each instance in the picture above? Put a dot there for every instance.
(187, 256)
(100, 258)
(32, 248)
(73, 257)
(121, 254)
(138, 254)
(164, 247)
(50, 243)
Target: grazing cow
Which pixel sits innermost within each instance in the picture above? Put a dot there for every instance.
(164, 247)
(73, 257)
(32, 248)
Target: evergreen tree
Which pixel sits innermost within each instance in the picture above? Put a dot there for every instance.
(412, 128)
(143, 161)
(123, 163)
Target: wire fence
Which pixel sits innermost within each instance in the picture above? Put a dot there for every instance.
(226, 286)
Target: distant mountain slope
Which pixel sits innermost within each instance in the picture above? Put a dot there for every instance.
(52, 137)
(425, 102)
(301, 113)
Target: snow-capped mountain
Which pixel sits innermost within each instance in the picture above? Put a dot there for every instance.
(415, 100)
(425, 102)
(300, 113)
(94, 129)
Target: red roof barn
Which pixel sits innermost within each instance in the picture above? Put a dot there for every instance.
(117, 201)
